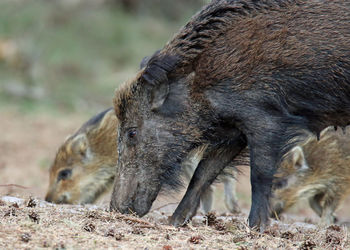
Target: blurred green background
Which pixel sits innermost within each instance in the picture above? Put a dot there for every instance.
(60, 62)
(69, 55)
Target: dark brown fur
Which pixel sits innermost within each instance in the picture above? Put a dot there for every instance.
(262, 73)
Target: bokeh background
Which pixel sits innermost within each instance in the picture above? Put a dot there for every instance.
(60, 62)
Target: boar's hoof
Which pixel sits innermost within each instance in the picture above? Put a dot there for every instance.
(185, 211)
(258, 220)
(179, 220)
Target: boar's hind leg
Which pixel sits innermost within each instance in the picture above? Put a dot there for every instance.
(207, 171)
(267, 144)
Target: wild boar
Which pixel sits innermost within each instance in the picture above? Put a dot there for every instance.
(319, 172)
(240, 72)
(84, 166)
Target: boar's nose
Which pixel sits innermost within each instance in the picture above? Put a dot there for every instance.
(121, 207)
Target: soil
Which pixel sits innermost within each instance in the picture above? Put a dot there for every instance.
(27, 146)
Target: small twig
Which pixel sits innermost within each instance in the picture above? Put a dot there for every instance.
(247, 228)
(133, 219)
(14, 185)
(346, 236)
(146, 226)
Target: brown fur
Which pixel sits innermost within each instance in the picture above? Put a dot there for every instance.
(324, 180)
(91, 155)
(262, 73)
(257, 41)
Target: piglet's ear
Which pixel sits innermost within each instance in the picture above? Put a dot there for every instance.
(79, 145)
(109, 119)
(298, 159)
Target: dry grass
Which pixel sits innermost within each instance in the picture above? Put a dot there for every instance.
(28, 223)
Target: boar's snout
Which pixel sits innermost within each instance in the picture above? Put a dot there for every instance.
(129, 209)
(131, 196)
(133, 206)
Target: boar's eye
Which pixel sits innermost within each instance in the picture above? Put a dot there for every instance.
(64, 174)
(131, 136)
(132, 133)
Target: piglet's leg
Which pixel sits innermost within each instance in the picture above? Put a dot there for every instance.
(207, 198)
(207, 171)
(230, 194)
(189, 166)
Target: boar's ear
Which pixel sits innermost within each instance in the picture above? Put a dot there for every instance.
(171, 98)
(158, 68)
(298, 159)
(146, 59)
(79, 145)
(159, 95)
(168, 95)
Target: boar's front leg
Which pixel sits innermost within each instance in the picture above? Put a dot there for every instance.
(207, 171)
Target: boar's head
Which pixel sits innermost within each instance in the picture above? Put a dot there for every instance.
(156, 132)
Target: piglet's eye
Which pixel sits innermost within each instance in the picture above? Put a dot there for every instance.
(64, 174)
(132, 133)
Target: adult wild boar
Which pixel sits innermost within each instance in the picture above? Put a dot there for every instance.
(257, 73)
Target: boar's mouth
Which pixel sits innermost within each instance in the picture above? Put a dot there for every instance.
(133, 199)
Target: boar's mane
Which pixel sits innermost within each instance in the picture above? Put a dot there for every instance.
(183, 49)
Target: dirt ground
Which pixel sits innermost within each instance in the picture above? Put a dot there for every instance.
(27, 146)
(36, 224)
